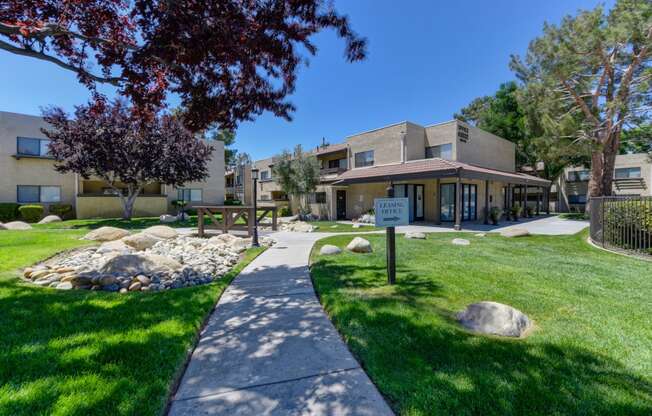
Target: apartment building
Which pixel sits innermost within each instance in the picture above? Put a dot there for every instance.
(27, 176)
(450, 172)
(632, 176)
(238, 184)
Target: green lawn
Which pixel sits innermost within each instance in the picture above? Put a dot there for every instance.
(133, 224)
(336, 227)
(82, 352)
(591, 351)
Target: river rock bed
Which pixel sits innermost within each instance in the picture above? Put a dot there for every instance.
(143, 262)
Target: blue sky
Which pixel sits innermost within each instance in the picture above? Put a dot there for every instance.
(426, 60)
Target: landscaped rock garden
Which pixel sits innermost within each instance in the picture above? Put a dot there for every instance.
(157, 258)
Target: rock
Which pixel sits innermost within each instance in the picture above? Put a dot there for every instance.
(300, 227)
(415, 235)
(514, 232)
(328, 250)
(495, 319)
(144, 280)
(64, 270)
(135, 286)
(141, 241)
(49, 219)
(367, 219)
(461, 242)
(266, 221)
(68, 277)
(134, 264)
(123, 290)
(2, 226)
(81, 280)
(161, 231)
(480, 234)
(356, 225)
(114, 246)
(106, 280)
(359, 245)
(113, 287)
(64, 285)
(17, 226)
(39, 273)
(27, 272)
(167, 218)
(106, 234)
(222, 239)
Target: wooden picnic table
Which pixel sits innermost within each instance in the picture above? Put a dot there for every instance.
(231, 214)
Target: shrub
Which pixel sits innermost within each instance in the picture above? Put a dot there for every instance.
(530, 211)
(191, 211)
(62, 210)
(516, 210)
(8, 211)
(232, 202)
(31, 213)
(284, 212)
(494, 214)
(628, 224)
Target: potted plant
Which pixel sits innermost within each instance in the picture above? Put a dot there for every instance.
(516, 211)
(494, 215)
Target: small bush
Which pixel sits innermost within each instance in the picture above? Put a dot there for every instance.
(284, 212)
(191, 211)
(31, 213)
(494, 214)
(232, 202)
(516, 211)
(61, 210)
(8, 211)
(530, 212)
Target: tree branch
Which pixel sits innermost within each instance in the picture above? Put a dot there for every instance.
(42, 56)
(579, 101)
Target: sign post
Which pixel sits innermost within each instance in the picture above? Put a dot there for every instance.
(391, 212)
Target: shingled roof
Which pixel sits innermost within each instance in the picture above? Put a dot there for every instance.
(433, 168)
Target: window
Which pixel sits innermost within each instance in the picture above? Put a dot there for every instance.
(34, 193)
(578, 175)
(577, 199)
(264, 175)
(627, 173)
(32, 147)
(317, 198)
(444, 151)
(337, 164)
(364, 159)
(192, 195)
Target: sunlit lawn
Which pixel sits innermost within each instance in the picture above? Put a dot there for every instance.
(590, 354)
(90, 353)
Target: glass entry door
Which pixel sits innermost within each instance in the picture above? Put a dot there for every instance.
(418, 202)
(447, 201)
(469, 202)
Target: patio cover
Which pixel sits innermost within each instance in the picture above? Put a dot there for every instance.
(434, 168)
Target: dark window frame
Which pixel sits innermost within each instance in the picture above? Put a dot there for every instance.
(317, 198)
(36, 139)
(359, 162)
(430, 154)
(628, 169)
(40, 197)
(181, 192)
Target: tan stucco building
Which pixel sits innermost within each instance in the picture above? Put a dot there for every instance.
(450, 172)
(27, 175)
(632, 177)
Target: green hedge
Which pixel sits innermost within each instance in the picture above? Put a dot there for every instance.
(8, 211)
(232, 202)
(284, 212)
(62, 210)
(628, 224)
(31, 213)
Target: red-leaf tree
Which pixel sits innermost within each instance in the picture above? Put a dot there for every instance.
(108, 141)
(227, 60)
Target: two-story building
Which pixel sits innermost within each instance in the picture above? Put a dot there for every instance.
(450, 172)
(27, 176)
(238, 184)
(632, 177)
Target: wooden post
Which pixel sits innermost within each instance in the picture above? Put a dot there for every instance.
(458, 203)
(391, 245)
(486, 202)
(524, 199)
(251, 220)
(200, 222)
(548, 201)
(226, 218)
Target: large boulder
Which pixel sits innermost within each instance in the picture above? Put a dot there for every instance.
(359, 245)
(2, 226)
(300, 227)
(17, 225)
(223, 239)
(141, 241)
(49, 219)
(329, 250)
(167, 218)
(515, 232)
(135, 264)
(416, 235)
(114, 246)
(461, 242)
(161, 231)
(106, 234)
(495, 319)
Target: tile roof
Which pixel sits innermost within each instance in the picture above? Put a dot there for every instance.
(433, 168)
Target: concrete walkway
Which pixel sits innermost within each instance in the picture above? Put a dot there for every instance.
(269, 348)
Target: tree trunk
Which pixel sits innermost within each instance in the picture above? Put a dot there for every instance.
(603, 162)
(128, 202)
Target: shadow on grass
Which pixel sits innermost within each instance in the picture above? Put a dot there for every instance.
(424, 363)
(82, 352)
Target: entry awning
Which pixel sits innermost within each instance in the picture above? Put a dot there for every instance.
(431, 169)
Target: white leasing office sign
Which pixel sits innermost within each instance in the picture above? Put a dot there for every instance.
(391, 212)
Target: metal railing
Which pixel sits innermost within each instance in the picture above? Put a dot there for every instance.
(622, 223)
